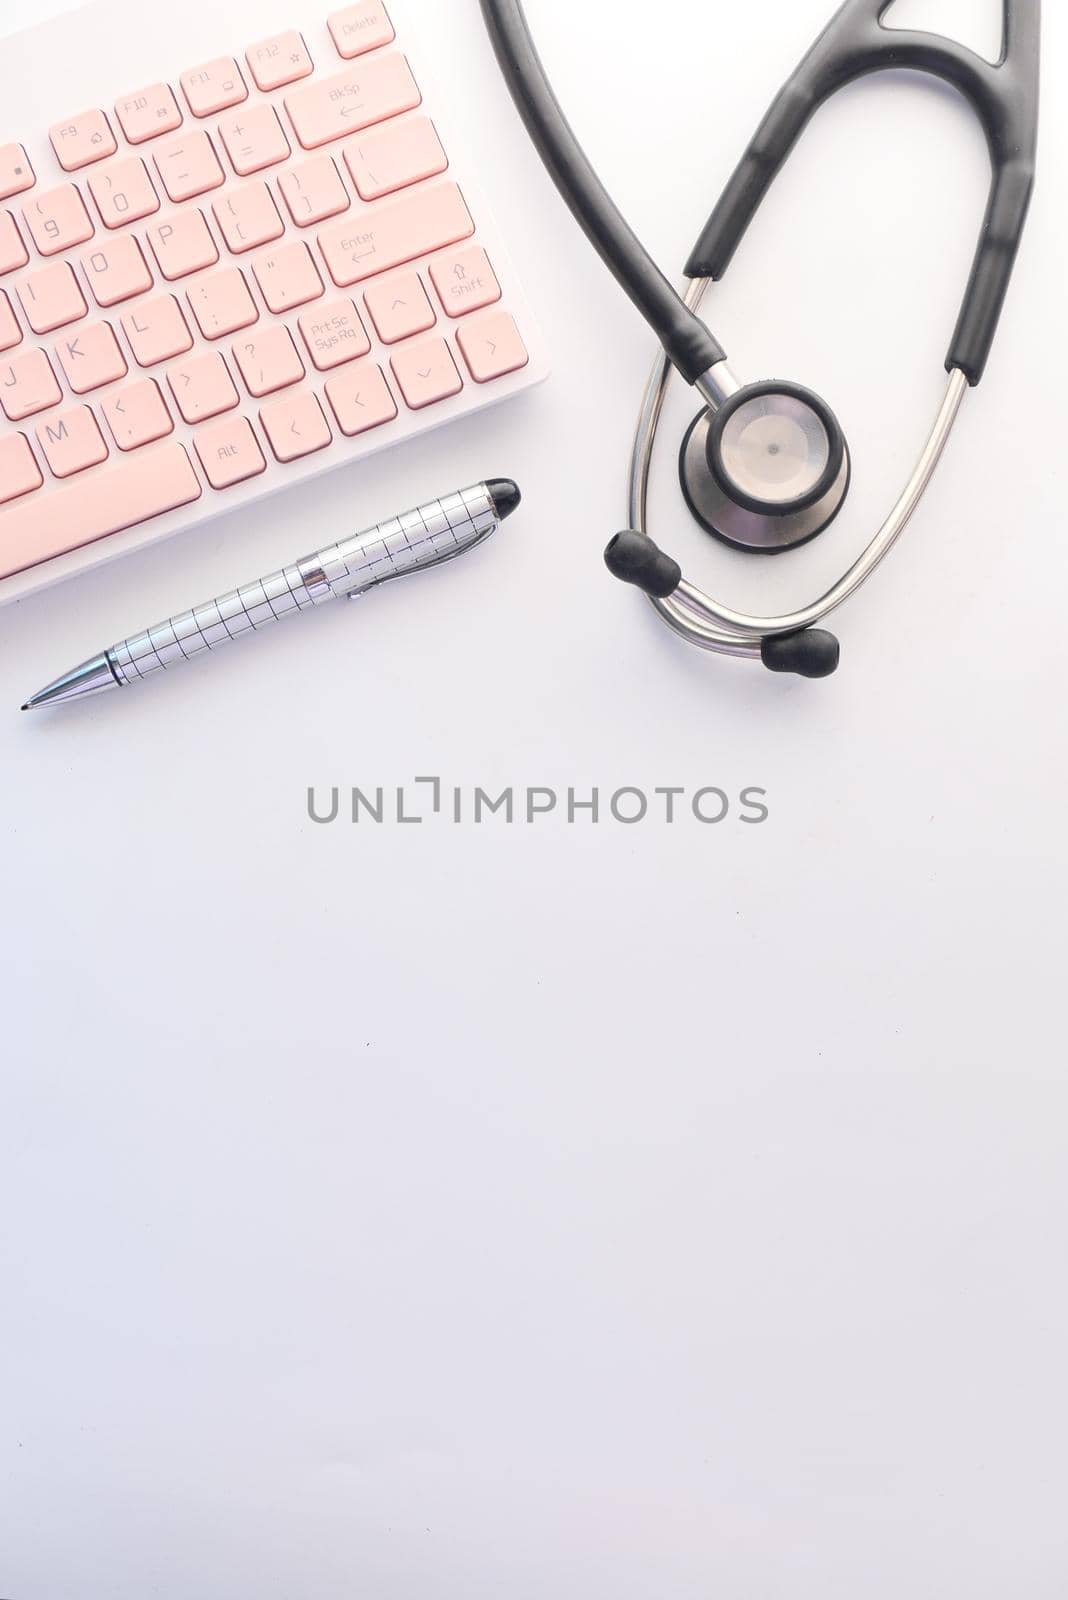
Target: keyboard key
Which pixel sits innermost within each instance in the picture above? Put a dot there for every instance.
(149, 113)
(269, 362)
(288, 277)
(464, 280)
(57, 220)
(254, 140)
(13, 252)
(72, 442)
(157, 331)
(19, 472)
(202, 387)
(229, 452)
(10, 332)
(28, 385)
(393, 233)
(136, 491)
(296, 426)
(334, 107)
(360, 399)
(278, 61)
(334, 334)
(426, 372)
(393, 157)
(399, 307)
(183, 245)
(82, 140)
(314, 191)
(360, 28)
(222, 303)
(91, 358)
(247, 217)
(189, 166)
(16, 173)
(216, 86)
(123, 193)
(117, 271)
(52, 298)
(492, 346)
(137, 415)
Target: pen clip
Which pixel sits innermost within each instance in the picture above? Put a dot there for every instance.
(362, 586)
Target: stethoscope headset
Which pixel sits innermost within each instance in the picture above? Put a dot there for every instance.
(765, 466)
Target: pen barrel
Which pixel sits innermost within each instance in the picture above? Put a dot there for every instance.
(430, 534)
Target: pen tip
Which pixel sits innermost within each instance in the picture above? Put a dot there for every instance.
(26, 707)
(505, 495)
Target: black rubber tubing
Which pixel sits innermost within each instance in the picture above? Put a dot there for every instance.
(1004, 97)
(686, 340)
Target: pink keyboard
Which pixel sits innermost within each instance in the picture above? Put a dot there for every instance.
(257, 266)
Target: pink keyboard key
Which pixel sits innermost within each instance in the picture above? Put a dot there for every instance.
(148, 113)
(10, 332)
(360, 28)
(426, 372)
(269, 362)
(91, 358)
(288, 277)
(368, 92)
(360, 399)
(123, 193)
(214, 87)
(392, 233)
(137, 415)
(296, 426)
(82, 140)
(334, 334)
(229, 453)
(51, 298)
(464, 280)
(13, 252)
(280, 60)
(72, 442)
(183, 245)
(222, 303)
(254, 140)
(189, 166)
(116, 271)
(19, 472)
(399, 307)
(202, 387)
(157, 331)
(57, 220)
(136, 491)
(492, 346)
(247, 217)
(28, 385)
(16, 173)
(394, 157)
(313, 191)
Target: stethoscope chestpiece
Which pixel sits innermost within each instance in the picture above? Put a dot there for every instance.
(768, 470)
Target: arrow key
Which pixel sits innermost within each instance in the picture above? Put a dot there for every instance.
(399, 307)
(492, 346)
(360, 398)
(296, 426)
(426, 372)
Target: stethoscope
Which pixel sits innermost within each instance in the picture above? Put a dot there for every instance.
(765, 466)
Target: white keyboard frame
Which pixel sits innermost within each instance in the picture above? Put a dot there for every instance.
(83, 74)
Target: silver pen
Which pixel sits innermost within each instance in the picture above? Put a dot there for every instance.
(425, 537)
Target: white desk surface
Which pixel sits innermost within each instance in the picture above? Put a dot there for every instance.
(439, 1212)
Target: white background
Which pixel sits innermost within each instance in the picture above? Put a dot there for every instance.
(440, 1212)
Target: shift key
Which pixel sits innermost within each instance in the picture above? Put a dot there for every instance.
(385, 235)
(370, 90)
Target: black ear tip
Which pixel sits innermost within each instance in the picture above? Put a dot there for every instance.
(812, 653)
(634, 558)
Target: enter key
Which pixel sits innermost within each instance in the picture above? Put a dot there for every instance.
(388, 234)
